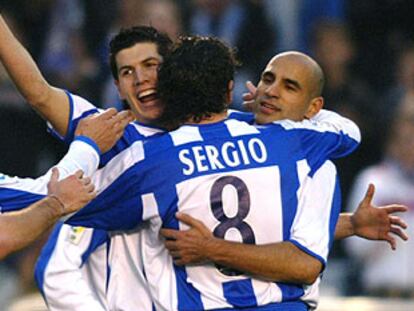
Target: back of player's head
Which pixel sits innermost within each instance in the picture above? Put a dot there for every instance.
(193, 80)
(128, 37)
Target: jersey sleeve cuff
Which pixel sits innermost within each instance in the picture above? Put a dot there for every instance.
(90, 142)
(309, 252)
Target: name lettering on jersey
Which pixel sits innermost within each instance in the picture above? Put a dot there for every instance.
(231, 154)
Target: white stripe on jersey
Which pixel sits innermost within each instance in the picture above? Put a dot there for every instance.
(325, 121)
(237, 128)
(73, 291)
(312, 219)
(314, 211)
(127, 289)
(146, 131)
(186, 134)
(105, 176)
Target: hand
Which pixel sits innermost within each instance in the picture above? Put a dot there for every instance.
(249, 98)
(73, 192)
(188, 246)
(376, 223)
(105, 128)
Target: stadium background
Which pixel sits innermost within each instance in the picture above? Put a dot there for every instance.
(366, 49)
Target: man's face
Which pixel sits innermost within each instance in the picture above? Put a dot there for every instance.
(284, 91)
(137, 80)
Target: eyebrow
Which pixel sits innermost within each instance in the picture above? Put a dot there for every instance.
(151, 58)
(293, 82)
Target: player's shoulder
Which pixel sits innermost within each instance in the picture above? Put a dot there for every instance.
(240, 115)
(7, 180)
(144, 130)
(80, 105)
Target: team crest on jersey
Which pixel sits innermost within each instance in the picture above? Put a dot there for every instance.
(75, 235)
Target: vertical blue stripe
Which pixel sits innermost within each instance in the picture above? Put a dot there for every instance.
(290, 292)
(43, 260)
(188, 297)
(289, 184)
(335, 210)
(240, 293)
(70, 131)
(108, 267)
(98, 238)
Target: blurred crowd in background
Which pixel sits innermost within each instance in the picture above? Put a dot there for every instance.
(366, 49)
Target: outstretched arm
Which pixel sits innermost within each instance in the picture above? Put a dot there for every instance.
(373, 223)
(50, 102)
(19, 229)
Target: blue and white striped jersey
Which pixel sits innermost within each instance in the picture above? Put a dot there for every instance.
(233, 176)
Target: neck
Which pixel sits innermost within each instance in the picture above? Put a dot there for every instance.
(215, 117)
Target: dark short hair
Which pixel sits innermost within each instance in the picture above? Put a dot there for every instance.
(193, 79)
(128, 37)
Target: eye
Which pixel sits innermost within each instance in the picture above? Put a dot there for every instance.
(126, 72)
(152, 65)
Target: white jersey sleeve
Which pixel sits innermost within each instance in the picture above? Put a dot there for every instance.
(71, 271)
(17, 193)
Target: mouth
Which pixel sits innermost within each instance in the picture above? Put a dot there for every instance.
(147, 96)
(267, 108)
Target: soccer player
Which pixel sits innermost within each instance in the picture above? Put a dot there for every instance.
(136, 60)
(26, 215)
(135, 56)
(282, 94)
(212, 164)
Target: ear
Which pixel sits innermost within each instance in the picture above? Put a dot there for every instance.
(121, 96)
(315, 106)
(229, 94)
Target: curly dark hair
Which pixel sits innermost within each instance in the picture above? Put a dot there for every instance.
(128, 37)
(194, 78)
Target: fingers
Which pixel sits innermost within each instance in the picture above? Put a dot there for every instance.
(397, 221)
(395, 208)
(399, 232)
(78, 174)
(108, 114)
(391, 241)
(187, 219)
(251, 87)
(55, 175)
(170, 233)
(369, 194)
(171, 245)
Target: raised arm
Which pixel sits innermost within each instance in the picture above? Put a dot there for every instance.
(50, 102)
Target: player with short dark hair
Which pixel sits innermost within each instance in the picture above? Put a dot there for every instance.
(212, 163)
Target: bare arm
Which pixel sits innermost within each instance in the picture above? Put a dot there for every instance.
(50, 102)
(19, 229)
(371, 222)
(270, 261)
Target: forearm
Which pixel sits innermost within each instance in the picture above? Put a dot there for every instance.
(30, 81)
(18, 229)
(344, 227)
(282, 262)
(20, 66)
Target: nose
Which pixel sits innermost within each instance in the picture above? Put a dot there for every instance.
(273, 89)
(141, 76)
